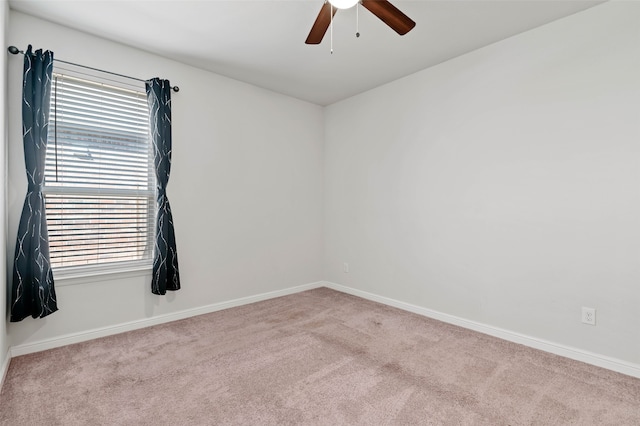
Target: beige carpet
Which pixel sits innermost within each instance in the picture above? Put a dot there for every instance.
(318, 357)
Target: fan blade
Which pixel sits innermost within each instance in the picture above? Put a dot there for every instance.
(390, 15)
(322, 24)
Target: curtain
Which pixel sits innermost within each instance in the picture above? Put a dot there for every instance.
(165, 262)
(32, 291)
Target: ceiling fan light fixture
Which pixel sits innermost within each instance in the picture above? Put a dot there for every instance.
(383, 9)
(343, 4)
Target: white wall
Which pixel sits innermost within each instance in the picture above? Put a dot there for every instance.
(245, 188)
(501, 187)
(4, 344)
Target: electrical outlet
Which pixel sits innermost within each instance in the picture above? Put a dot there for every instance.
(345, 267)
(589, 316)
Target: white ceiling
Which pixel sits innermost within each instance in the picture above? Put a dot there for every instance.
(262, 41)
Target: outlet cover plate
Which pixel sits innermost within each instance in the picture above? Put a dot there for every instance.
(589, 315)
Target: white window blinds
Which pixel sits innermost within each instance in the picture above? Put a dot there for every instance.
(99, 178)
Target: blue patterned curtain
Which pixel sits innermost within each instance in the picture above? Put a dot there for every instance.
(32, 291)
(165, 262)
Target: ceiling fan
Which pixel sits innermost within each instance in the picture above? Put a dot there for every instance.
(388, 13)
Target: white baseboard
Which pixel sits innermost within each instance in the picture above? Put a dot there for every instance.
(83, 336)
(598, 360)
(5, 368)
(603, 361)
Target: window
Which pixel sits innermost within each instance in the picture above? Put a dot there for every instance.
(99, 177)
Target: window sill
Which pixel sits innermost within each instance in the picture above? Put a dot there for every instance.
(85, 275)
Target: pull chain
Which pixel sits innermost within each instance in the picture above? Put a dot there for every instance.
(357, 20)
(331, 12)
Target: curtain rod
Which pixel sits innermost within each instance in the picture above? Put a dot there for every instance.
(14, 50)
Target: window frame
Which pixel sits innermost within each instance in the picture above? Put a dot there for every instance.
(78, 274)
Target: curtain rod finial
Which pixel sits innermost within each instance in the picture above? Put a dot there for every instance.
(176, 89)
(14, 50)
